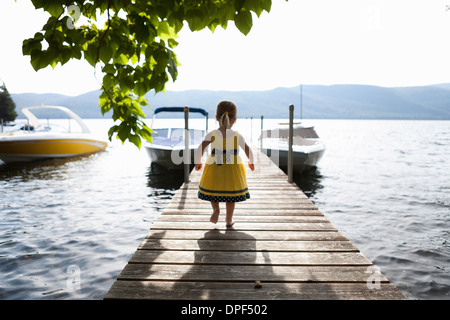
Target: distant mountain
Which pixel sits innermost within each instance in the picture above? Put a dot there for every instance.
(85, 105)
(318, 102)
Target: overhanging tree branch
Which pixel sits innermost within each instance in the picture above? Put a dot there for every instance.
(143, 28)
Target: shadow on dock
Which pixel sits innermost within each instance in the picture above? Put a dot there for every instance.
(213, 279)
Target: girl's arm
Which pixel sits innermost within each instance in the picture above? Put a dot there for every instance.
(248, 152)
(199, 152)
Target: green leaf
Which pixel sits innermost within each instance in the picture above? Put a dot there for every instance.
(238, 4)
(121, 59)
(258, 6)
(54, 63)
(136, 109)
(103, 100)
(31, 45)
(108, 80)
(106, 53)
(109, 68)
(133, 138)
(38, 3)
(54, 8)
(38, 36)
(134, 59)
(146, 133)
(140, 88)
(126, 84)
(123, 132)
(91, 54)
(172, 43)
(165, 31)
(39, 60)
(266, 4)
(243, 21)
(225, 14)
(195, 19)
(65, 55)
(112, 130)
(173, 68)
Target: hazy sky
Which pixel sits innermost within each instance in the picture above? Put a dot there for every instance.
(378, 42)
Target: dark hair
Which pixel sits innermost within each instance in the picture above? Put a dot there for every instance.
(226, 110)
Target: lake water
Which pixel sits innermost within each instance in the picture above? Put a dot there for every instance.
(384, 184)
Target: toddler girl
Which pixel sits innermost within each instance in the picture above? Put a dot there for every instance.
(223, 179)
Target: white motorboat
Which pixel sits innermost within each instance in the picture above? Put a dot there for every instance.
(307, 147)
(167, 147)
(35, 140)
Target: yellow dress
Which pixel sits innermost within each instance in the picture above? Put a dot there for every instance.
(223, 178)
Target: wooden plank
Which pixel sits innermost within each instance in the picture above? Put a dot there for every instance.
(236, 273)
(207, 206)
(249, 258)
(266, 190)
(247, 245)
(164, 290)
(275, 226)
(256, 187)
(251, 212)
(247, 235)
(243, 218)
(194, 202)
(245, 204)
(260, 196)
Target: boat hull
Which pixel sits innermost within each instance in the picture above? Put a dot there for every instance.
(18, 150)
(301, 161)
(307, 147)
(169, 158)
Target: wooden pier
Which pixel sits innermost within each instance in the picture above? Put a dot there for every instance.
(280, 238)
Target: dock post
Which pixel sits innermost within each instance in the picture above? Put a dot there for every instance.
(187, 153)
(251, 129)
(291, 134)
(261, 142)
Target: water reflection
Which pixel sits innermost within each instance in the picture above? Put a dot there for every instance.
(46, 169)
(309, 181)
(159, 177)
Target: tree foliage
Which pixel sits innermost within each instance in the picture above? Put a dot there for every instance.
(7, 105)
(134, 48)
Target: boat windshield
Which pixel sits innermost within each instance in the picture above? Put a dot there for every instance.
(195, 135)
(175, 135)
(305, 133)
(161, 133)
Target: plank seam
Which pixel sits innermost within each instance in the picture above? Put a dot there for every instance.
(249, 281)
(256, 251)
(251, 264)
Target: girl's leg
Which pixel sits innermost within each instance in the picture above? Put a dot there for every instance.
(230, 212)
(216, 211)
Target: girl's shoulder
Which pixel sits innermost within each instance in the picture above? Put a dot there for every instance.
(218, 133)
(209, 135)
(214, 134)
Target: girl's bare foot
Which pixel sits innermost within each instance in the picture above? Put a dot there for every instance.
(215, 216)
